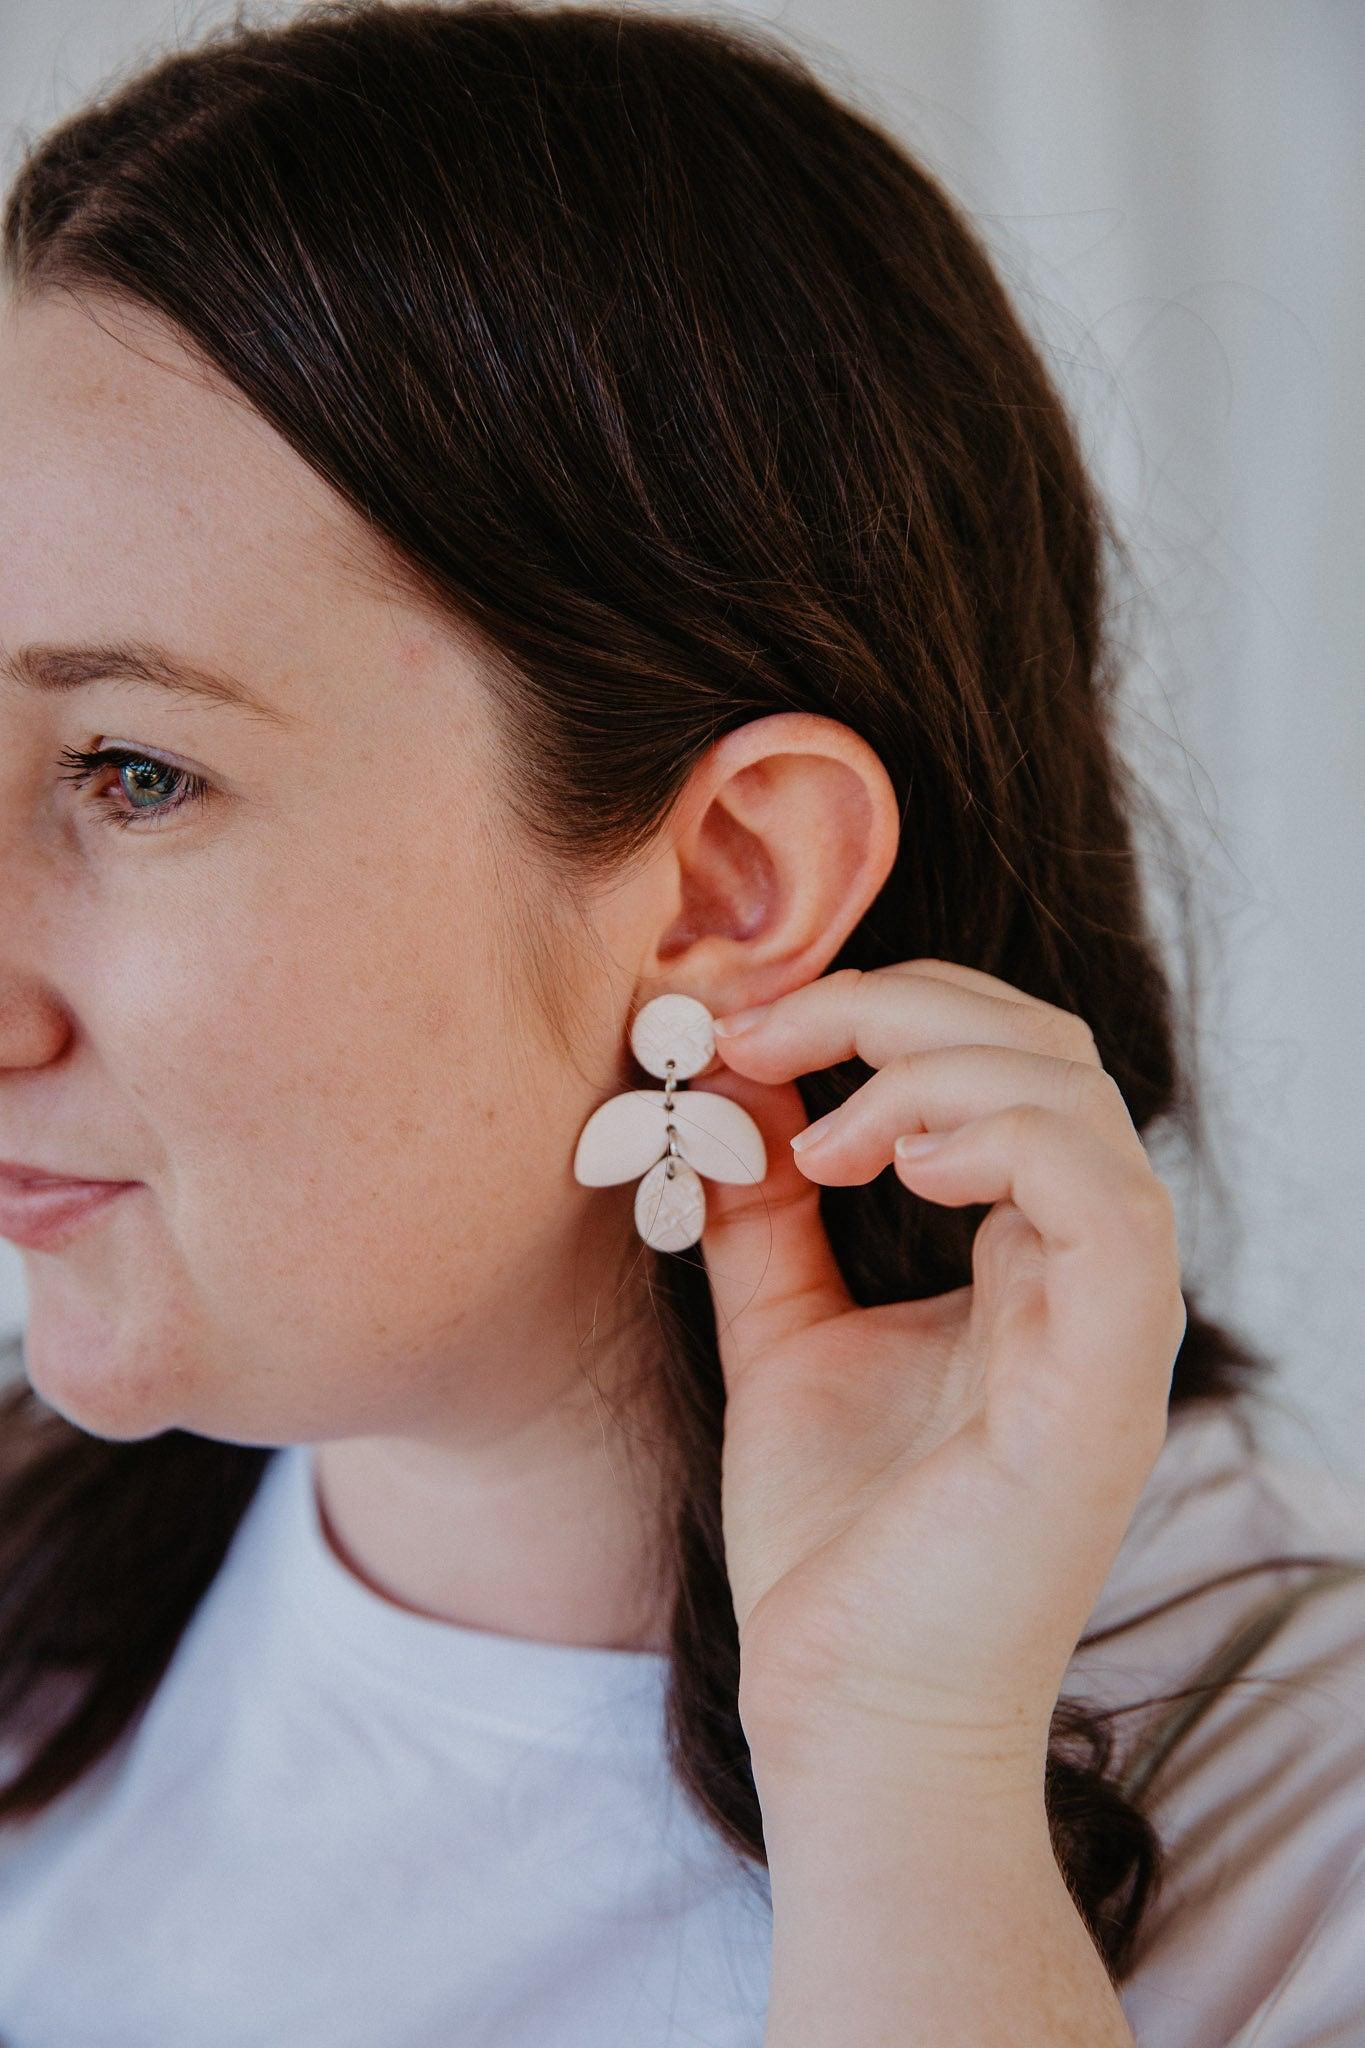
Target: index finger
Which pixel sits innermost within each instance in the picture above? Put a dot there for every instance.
(877, 1013)
(968, 977)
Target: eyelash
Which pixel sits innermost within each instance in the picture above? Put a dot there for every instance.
(83, 767)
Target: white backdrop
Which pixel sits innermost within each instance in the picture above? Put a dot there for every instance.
(1177, 197)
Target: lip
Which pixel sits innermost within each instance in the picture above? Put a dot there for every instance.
(18, 1173)
(42, 1217)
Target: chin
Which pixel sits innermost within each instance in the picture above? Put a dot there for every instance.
(89, 1381)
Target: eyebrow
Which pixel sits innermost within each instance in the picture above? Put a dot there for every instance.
(51, 669)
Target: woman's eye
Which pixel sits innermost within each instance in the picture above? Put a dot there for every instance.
(151, 775)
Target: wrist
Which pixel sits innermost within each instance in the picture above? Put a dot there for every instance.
(927, 1911)
(930, 1844)
(882, 1820)
(851, 1757)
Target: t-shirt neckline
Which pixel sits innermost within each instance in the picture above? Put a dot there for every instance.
(522, 1685)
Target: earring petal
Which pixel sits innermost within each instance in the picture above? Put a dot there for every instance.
(628, 1133)
(670, 1211)
(622, 1137)
(718, 1137)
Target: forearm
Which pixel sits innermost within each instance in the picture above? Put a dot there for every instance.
(925, 1917)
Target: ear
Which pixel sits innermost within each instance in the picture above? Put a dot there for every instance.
(783, 836)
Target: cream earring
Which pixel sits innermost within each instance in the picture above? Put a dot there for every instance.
(676, 1139)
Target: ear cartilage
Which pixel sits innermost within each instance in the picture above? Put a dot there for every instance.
(670, 1139)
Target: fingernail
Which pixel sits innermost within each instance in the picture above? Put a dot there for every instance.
(914, 1148)
(812, 1132)
(739, 1020)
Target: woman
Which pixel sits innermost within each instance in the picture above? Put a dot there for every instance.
(540, 530)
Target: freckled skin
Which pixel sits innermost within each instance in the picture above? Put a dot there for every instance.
(286, 1013)
(281, 1011)
(296, 1013)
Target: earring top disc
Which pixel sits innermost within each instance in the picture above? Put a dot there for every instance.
(673, 1027)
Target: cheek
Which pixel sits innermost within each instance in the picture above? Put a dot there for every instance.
(336, 1135)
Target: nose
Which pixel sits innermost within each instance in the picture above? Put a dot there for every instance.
(35, 1022)
(34, 1026)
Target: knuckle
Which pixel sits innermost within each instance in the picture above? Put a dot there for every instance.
(1025, 1122)
(1083, 1037)
(914, 1060)
(852, 985)
(1097, 1090)
(1081, 1092)
(1063, 1035)
(1039, 1030)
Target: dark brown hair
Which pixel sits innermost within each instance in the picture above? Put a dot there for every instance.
(689, 392)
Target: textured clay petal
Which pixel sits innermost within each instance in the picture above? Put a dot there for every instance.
(670, 1214)
(621, 1138)
(718, 1137)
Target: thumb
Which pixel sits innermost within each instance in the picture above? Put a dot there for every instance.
(772, 1270)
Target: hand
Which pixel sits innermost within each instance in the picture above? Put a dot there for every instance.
(922, 1500)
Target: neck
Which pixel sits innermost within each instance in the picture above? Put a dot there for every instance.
(548, 1530)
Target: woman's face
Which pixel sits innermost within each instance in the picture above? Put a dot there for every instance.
(288, 1012)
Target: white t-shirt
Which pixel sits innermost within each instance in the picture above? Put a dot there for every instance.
(339, 1824)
